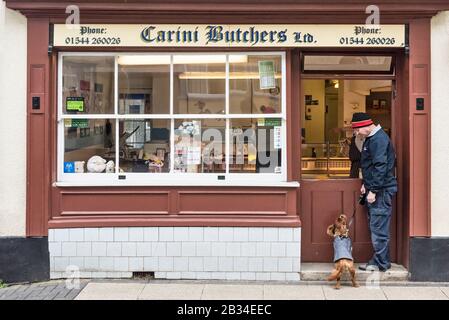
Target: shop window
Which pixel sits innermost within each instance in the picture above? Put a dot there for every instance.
(169, 116)
(88, 85)
(329, 149)
(247, 96)
(144, 84)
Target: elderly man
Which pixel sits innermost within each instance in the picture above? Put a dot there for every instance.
(379, 185)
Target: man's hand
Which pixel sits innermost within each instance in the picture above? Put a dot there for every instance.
(362, 190)
(371, 197)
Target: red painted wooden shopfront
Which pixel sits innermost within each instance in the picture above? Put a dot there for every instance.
(311, 205)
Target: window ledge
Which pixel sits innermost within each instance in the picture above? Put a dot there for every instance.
(290, 184)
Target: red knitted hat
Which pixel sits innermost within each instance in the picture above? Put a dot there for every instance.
(360, 120)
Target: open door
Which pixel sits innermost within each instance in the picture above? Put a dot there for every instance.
(328, 185)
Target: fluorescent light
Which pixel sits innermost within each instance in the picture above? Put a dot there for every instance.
(222, 75)
(144, 60)
(180, 59)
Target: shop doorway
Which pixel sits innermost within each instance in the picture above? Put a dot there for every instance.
(332, 89)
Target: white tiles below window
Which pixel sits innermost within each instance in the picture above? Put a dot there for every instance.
(227, 253)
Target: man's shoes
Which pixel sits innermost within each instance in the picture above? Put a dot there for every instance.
(369, 267)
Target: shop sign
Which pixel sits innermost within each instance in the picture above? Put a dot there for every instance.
(210, 35)
(268, 122)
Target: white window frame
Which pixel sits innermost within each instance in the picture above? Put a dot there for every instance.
(171, 178)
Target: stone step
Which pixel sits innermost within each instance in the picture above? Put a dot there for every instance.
(320, 272)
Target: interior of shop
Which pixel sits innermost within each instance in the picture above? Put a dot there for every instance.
(328, 145)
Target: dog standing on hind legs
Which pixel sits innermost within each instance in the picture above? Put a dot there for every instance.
(342, 251)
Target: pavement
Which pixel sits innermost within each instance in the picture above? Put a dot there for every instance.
(221, 290)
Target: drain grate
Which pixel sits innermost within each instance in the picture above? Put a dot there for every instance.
(143, 275)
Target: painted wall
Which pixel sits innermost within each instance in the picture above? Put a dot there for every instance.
(13, 122)
(440, 131)
(314, 127)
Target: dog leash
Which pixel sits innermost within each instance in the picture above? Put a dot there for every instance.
(351, 220)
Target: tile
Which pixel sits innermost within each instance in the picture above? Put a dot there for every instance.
(285, 264)
(121, 264)
(84, 249)
(233, 249)
(293, 292)
(165, 264)
(106, 263)
(203, 249)
(181, 234)
(150, 264)
(241, 264)
(196, 264)
(225, 234)
(248, 249)
(180, 264)
(255, 234)
(174, 249)
(248, 276)
(121, 234)
(151, 234)
(263, 249)
(225, 264)
(277, 276)
(61, 234)
(158, 249)
(188, 249)
(91, 263)
(210, 234)
(91, 234)
(68, 249)
(99, 249)
(292, 249)
(143, 249)
(232, 292)
(135, 234)
(241, 234)
(286, 234)
(169, 291)
(76, 234)
(111, 291)
(233, 276)
(270, 264)
(129, 249)
(278, 249)
(196, 234)
(270, 234)
(114, 249)
(210, 263)
(105, 234)
(166, 234)
(218, 249)
(136, 264)
(55, 249)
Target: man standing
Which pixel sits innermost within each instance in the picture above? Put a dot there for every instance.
(379, 184)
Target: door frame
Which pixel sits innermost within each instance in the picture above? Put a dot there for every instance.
(397, 109)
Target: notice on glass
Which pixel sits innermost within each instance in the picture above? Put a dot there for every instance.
(194, 155)
(266, 75)
(277, 136)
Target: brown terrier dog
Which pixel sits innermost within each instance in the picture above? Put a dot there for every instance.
(342, 251)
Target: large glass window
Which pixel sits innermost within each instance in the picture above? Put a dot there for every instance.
(158, 118)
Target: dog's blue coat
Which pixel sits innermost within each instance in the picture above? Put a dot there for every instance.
(342, 248)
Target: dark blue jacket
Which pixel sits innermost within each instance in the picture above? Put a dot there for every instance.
(378, 162)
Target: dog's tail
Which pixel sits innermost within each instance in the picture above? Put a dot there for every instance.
(336, 273)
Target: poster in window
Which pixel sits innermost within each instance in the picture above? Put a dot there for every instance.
(266, 75)
(74, 104)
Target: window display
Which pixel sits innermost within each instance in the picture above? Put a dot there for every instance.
(171, 114)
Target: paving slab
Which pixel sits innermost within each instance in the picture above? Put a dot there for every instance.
(350, 293)
(414, 293)
(293, 292)
(111, 291)
(171, 291)
(232, 292)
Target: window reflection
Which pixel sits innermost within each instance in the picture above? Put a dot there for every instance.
(88, 85)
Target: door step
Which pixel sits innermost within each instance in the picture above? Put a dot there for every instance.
(320, 272)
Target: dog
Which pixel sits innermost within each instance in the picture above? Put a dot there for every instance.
(342, 251)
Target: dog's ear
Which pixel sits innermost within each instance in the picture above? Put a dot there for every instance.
(331, 230)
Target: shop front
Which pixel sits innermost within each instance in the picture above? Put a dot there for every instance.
(215, 146)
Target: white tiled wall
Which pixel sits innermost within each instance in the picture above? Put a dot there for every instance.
(232, 253)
